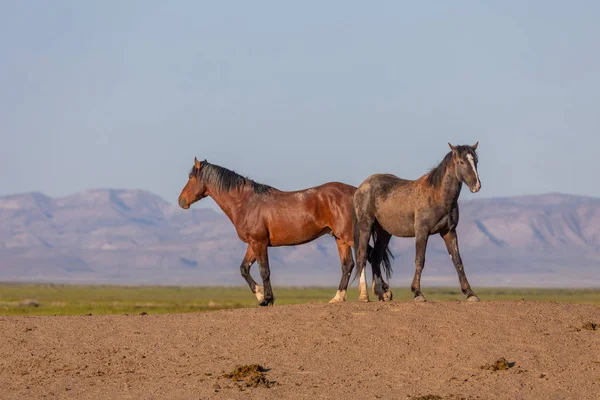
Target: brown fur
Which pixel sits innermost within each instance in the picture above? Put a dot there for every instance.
(264, 216)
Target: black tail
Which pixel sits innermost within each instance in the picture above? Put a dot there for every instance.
(386, 257)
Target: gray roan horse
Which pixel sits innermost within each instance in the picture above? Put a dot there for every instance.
(385, 205)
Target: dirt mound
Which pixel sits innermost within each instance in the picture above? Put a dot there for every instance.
(399, 350)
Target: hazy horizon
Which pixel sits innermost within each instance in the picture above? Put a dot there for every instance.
(202, 203)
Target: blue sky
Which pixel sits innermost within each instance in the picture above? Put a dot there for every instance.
(124, 94)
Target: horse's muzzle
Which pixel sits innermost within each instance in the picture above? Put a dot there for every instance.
(477, 187)
(183, 204)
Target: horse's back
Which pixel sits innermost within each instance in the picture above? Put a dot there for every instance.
(333, 188)
(300, 216)
(381, 185)
(331, 205)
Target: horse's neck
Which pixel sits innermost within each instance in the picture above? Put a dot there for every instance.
(450, 189)
(230, 202)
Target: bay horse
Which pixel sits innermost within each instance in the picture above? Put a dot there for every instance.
(267, 217)
(386, 205)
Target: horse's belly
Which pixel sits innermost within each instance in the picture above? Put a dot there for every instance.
(401, 225)
(295, 232)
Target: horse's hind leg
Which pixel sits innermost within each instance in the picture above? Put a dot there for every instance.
(387, 293)
(363, 294)
(249, 259)
(345, 252)
(363, 219)
(381, 288)
(362, 246)
(260, 251)
(451, 241)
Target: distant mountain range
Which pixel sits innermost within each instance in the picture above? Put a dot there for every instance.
(135, 237)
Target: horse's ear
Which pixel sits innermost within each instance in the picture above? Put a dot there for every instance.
(475, 145)
(452, 147)
(196, 163)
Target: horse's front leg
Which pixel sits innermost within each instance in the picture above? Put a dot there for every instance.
(260, 251)
(421, 238)
(451, 241)
(249, 259)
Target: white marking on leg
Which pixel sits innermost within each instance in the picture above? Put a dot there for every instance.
(388, 296)
(363, 293)
(259, 292)
(340, 296)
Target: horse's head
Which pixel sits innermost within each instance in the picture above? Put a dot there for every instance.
(195, 189)
(465, 160)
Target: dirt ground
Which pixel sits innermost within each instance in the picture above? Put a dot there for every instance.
(392, 350)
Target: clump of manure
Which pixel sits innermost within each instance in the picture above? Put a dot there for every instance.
(590, 326)
(499, 365)
(252, 375)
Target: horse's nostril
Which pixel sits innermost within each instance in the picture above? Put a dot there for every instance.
(182, 203)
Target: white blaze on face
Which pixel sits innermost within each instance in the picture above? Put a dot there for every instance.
(472, 162)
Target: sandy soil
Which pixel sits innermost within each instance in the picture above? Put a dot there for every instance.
(341, 351)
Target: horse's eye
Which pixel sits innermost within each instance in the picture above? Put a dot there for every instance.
(462, 162)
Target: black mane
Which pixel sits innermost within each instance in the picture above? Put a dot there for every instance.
(436, 175)
(226, 180)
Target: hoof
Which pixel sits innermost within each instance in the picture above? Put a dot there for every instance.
(473, 299)
(387, 296)
(340, 297)
(363, 299)
(266, 302)
(419, 299)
